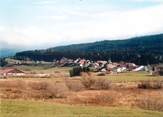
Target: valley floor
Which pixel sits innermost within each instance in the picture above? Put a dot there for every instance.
(63, 96)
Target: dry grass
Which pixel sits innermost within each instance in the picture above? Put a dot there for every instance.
(13, 84)
(94, 98)
(77, 91)
(151, 103)
(32, 90)
(150, 84)
(102, 99)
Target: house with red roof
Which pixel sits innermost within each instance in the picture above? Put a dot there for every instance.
(5, 72)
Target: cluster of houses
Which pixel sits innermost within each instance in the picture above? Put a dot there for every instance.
(109, 66)
(102, 66)
(94, 66)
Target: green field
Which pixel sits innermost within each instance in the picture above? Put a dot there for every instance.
(132, 77)
(121, 77)
(42, 69)
(41, 109)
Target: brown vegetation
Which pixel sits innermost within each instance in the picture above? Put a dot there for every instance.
(102, 84)
(32, 90)
(94, 98)
(74, 85)
(77, 91)
(88, 82)
(151, 103)
(97, 84)
(150, 85)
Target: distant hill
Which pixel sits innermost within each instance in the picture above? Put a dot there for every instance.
(7, 52)
(140, 50)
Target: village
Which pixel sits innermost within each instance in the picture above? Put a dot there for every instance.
(99, 67)
(81, 58)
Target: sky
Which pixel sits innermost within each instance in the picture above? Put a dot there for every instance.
(32, 24)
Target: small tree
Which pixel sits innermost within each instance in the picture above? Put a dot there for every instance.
(3, 62)
(75, 71)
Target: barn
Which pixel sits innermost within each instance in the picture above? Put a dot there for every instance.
(5, 72)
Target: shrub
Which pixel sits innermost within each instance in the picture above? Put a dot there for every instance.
(150, 85)
(57, 90)
(47, 90)
(102, 83)
(88, 82)
(74, 85)
(75, 71)
(151, 103)
(85, 69)
(91, 83)
(38, 85)
(3, 62)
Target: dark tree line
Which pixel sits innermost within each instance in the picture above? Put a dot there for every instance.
(140, 50)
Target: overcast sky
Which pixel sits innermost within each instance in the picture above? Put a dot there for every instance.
(48, 23)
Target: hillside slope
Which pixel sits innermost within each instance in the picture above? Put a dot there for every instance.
(140, 50)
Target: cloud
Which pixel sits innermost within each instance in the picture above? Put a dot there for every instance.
(58, 26)
(156, 1)
(44, 2)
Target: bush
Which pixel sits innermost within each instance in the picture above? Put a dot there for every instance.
(151, 103)
(3, 62)
(102, 83)
(85, 69)
(47, 90)
(91, 83)
(74, 85)
(57, 90)
(88, 82)
(38, 85)
(75, 71)
(150, 85)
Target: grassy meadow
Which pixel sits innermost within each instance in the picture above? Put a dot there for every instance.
(133, 76)
(63, 72)
(64, 96)
(40, 109)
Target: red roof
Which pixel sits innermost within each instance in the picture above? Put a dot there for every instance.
(10, 70)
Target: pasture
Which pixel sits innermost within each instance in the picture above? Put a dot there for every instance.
(112, 95)
(41, 109)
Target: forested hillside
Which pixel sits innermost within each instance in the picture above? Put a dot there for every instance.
(140, 50)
